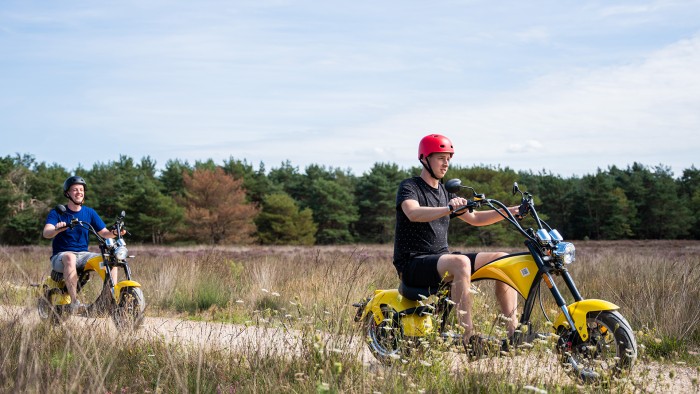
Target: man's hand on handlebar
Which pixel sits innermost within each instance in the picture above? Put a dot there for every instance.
(457, 203)
(522, 211)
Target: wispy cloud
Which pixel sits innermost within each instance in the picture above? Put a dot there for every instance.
(350, 84)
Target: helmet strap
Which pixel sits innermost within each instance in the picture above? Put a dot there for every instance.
(426, 165)
(73, 201)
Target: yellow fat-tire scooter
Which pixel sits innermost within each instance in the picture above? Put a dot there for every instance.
(122, 301)
(592, 338)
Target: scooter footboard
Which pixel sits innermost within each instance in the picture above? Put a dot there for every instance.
(578, 312)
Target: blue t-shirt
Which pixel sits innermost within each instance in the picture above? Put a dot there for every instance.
(74, 239)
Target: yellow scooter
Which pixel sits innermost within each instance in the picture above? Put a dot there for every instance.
(592, 337)
(123, 301)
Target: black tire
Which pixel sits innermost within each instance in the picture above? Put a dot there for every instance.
(385, 340)
(54, 314)
(610, 350)
(129, 313)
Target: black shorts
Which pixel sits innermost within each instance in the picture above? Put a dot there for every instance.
(421, 271)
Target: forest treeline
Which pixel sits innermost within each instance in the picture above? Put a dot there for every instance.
(237, 203)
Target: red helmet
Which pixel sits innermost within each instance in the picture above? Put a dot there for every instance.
(434, 143)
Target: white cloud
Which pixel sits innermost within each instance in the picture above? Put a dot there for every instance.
(528, 146)
(358, 84)
(581, 119)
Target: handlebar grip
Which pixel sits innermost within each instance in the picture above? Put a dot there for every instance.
(470, 207)
(523, 209)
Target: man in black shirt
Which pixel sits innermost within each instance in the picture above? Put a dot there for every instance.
(421, 254)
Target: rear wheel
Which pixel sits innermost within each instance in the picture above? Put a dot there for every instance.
(610, 350)
(384, 339)
(129, 313)
(54, 314)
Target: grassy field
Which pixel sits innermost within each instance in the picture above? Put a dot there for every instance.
(308, 291)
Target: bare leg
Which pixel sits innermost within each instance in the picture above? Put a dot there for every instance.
(70, 275)
(457, 269)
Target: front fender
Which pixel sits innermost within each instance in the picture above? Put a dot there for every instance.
(579, 310)
(123, 284)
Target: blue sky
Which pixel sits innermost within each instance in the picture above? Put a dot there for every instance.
(562, 86)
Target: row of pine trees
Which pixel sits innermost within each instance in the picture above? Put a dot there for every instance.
(235, 203)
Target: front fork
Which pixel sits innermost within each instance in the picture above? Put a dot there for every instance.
(572, 317)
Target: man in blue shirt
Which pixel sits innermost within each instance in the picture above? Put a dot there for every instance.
(70, 245)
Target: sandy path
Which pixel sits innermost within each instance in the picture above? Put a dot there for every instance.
(541, 368)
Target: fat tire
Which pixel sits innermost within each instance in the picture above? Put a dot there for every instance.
(610, 351)
(129, 313)
(54, 314)
(385, 340)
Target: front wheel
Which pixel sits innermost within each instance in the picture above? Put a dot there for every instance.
(128, 314)
(610, 350)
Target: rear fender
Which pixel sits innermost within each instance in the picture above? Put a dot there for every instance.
(51, 284)
(578, 311)
(58, 298)
(54, 291)
(413, 325)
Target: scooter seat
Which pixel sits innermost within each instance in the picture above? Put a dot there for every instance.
(58, 276)
(417, 293)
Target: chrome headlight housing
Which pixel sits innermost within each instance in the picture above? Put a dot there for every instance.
(121, 253)
(565, 252)
(555, 235)
(543, 237)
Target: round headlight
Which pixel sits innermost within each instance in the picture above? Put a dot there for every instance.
(121, 253)
(565, 252)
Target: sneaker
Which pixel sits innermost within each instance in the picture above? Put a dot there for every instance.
(477, 346)
(506, 345)
(76, 308)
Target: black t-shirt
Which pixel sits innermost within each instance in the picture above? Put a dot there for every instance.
(418, 238)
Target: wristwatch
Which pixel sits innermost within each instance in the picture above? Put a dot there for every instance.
(451, 207)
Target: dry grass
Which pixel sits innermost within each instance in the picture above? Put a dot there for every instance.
(308, 292)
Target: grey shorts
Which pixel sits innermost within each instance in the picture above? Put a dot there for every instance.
(81, 260)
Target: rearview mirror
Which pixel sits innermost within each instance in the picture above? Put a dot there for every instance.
(453, 185)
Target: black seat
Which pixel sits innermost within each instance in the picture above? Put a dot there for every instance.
(417, 293)
(83, 278)
(57, 276)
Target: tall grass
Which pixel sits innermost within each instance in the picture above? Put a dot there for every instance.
(298, 302)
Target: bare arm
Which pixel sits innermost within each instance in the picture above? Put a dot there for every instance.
(484, 218)
(417, 213)
(107, 233)
(51, 231)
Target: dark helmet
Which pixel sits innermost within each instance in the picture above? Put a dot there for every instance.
(73, 181)
(434, 143)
